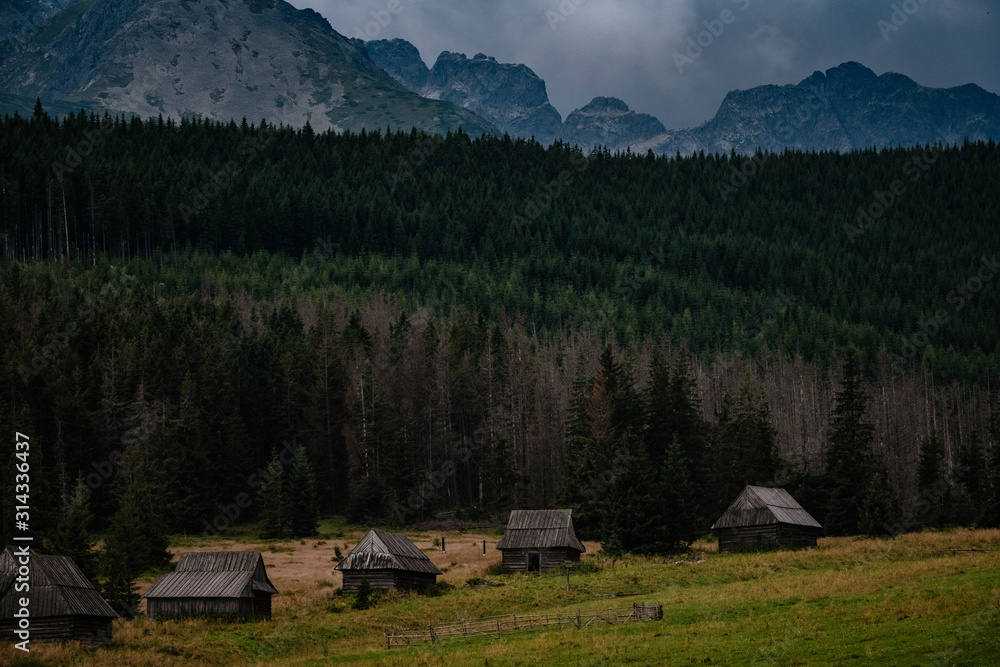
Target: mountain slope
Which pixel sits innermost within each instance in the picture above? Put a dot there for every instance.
(221, 59)
(511, 97)
(607, 121)
(846, 108)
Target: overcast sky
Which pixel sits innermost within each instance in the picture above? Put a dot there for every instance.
(646, 52)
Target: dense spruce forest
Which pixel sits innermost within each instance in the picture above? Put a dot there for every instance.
(471, 325)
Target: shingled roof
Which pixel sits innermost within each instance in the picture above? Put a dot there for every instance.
(379, 550)
(541, 529)
(760, 506)
(216, 574)
(58, 588)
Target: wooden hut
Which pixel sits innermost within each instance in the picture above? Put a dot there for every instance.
(63, 603)
(761, 517)
(387, 561)
(539, 539)
(213, 584)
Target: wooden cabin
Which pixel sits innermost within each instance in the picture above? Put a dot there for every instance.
(538, 540)
(388, 561)
(765, 518)
(213, 584)
(64, 605)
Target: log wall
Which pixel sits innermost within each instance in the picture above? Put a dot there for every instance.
(173, 607)
(91, 630)
(386, 579)
(516, 560)
(771, 535)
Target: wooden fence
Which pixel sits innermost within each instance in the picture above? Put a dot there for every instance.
(498, 626)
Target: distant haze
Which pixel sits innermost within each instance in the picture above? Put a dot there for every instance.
(629, 48)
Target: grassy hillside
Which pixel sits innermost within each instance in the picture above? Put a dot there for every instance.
(922, 599)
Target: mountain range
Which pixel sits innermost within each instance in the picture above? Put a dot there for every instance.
(233, 59)
(848, 107)
(219, 59)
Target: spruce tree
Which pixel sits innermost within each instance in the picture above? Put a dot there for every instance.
(853, 470)
(134, 543)
(303, 503)
(273, 501)
(679, 522)
(72, 533)
(629, 511)
(745, 444)
(932, 482)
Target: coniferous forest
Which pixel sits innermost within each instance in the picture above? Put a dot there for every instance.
(205, 324)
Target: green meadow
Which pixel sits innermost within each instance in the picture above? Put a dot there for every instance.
(929, 598)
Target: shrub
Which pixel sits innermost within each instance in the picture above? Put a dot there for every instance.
(495, 569)
(363, 596)
(586, 567)
(438, 589)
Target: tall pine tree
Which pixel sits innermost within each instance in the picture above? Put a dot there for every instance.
(302, 499)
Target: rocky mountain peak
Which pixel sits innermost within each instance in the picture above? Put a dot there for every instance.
(221, 59)
(605, 105)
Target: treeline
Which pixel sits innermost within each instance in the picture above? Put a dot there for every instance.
(889, 249)
(403, 413)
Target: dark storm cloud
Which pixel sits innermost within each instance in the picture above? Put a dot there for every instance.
(676, 59)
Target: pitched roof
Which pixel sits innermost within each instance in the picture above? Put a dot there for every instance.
(57, 587)
(541, 529)
(758, 506)
(379, 550)
(214, 574)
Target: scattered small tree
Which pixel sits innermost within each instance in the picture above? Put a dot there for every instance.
(363, 596)
(134, 542)
(72, 533)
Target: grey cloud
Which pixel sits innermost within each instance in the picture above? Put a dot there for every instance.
(626, 48)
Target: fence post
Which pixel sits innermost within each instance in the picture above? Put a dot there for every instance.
(430, 629)
(578, 619)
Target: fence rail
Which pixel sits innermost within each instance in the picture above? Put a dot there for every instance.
(498, 626)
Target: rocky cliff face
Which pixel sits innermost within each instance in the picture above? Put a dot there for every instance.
(608, 121)
(511, 97)
(221, 59)
(401, 61)
(846, 108)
